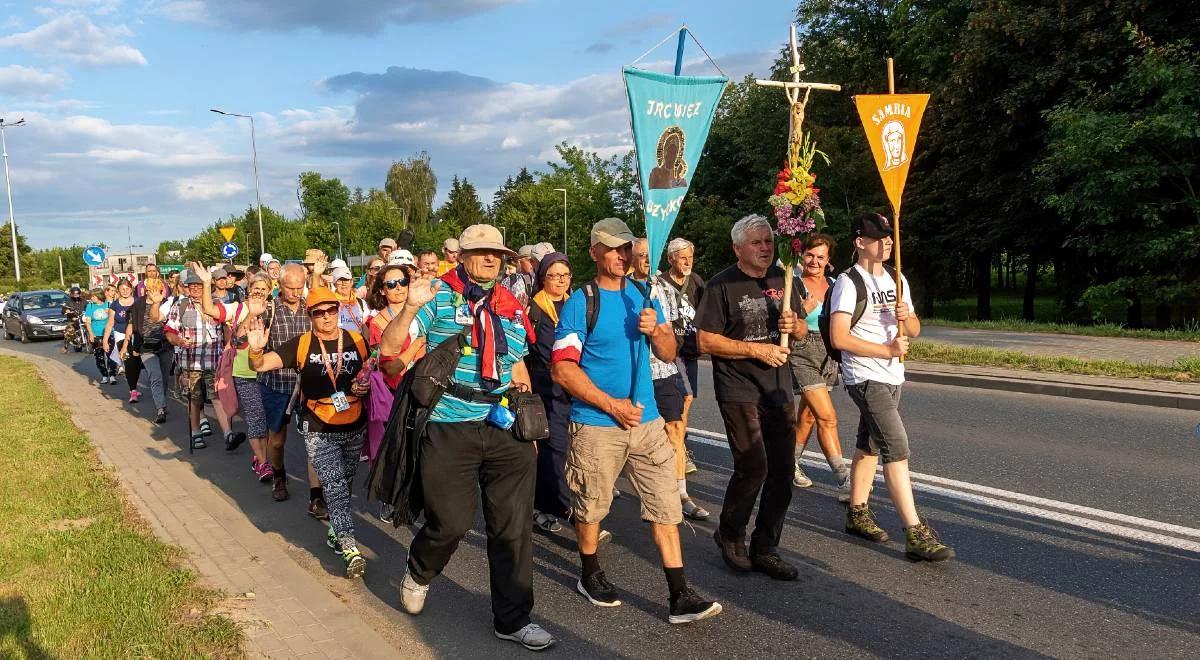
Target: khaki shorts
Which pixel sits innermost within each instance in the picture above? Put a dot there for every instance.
(195, 385)
(596, 458)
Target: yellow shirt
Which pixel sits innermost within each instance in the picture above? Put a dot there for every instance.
(445, 267)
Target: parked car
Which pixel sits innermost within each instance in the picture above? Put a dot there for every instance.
(35, 315)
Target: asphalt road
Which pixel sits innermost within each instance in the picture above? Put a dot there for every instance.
(1005, 478)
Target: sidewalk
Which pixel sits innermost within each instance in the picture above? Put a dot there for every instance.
(284, 610)
(1150, 351)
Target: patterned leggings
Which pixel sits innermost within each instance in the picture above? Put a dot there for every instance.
(104, 364)
(334, 456)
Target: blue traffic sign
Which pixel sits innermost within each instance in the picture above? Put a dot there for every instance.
(229, 250)
(93, 256)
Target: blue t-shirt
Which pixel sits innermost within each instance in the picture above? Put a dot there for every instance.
(97, 315)
(609, 353)
(120, 316)
(437, 322)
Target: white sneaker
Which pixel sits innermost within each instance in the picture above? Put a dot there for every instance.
(799, 479)
(532, 637)
(412, 595)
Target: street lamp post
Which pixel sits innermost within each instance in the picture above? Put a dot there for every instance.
(341, 255)
(564, 192)
(257, 194)
(12, 223)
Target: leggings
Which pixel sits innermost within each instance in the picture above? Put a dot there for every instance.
(104, 364)
(133, 370)
(334, 456)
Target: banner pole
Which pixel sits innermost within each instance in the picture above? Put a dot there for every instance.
(679, 50)
(896, 222)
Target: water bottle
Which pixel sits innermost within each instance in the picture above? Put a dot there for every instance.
(363, 377)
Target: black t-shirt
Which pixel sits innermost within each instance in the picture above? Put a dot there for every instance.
(314, 377)
(745, 308)
(690, 293)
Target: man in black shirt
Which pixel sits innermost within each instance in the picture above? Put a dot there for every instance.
(740, 322)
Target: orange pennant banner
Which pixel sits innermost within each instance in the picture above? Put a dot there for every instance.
(892, 122)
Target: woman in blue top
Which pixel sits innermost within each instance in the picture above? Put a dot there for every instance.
(814, 371)
(96, 314)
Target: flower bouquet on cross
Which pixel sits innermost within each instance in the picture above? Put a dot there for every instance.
(797, 201)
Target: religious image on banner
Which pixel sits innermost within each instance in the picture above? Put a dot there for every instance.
(891, 122)
(671, 168)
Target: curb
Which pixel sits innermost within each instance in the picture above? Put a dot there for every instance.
(1069, 390)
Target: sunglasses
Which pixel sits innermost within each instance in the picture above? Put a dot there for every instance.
(392, 284)
(374, 269)
(323, 312)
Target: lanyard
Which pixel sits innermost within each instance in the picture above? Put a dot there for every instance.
(326, 360)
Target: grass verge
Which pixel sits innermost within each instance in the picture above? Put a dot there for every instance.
(81, 576)
(1185, 371)
(1103, 330)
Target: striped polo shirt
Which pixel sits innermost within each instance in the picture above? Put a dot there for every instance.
(441, 319)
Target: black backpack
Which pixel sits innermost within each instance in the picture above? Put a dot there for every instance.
(590, 292)
(860, 308)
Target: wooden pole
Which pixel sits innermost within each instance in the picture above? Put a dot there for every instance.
(896, 221)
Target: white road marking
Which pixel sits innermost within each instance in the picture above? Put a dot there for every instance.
(1018, 503)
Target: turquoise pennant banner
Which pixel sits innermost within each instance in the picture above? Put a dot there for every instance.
(671, 116)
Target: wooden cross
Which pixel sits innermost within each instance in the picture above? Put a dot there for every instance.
(792, 90)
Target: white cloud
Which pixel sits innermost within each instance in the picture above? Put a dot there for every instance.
(361, 16)
(23, 81)
(75, 38)
(205, 189)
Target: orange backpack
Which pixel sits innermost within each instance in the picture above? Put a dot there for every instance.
(323, 408)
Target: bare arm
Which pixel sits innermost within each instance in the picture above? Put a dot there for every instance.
(520, 377)
(840, 337)
(108, 328)
(733, 349)
(393, 367)
(571, 378)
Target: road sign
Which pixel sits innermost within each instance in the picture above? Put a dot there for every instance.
(93, 256)
(229, 250)
(228, 232)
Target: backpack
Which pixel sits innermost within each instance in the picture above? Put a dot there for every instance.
(591, 294)
(860, 308)
(323, 408)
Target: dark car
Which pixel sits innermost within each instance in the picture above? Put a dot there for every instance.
(35, 315)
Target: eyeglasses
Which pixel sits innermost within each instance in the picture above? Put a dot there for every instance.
(392, 284)
(323, 312)
(560, 277)
(374, 269)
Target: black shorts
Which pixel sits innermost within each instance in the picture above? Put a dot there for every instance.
(669, 399)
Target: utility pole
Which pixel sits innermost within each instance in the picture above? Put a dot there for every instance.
(12, 223)
(262, 243)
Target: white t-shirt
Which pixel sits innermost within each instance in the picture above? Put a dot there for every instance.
(877, 325)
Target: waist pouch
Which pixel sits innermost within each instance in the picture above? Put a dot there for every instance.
(324, 410)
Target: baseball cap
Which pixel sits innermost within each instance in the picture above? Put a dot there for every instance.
(612, 232)
(525, 251)
(401, 257)
(451, 244)
(388, 242)
(338, 263)
(871, 225)
(483, 237)
(541, 250)
(265, 259)
(319, 296)
(341, 274)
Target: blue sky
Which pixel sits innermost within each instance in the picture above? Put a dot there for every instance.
(116, 95)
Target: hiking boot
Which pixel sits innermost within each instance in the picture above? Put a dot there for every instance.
(861, 522)
(733, 552)
(532, 637)
(689, 466)
(922, 543)
(317, 508)
(694, 511)
(689, 607)
(774, 566)
(279, 491)
(598, 589)
(356, 564)
(799, 479)
(412, 595)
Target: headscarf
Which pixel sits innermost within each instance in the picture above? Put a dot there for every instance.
(488, 306)
(541, 298)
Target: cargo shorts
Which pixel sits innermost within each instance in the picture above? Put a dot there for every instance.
(599, 453)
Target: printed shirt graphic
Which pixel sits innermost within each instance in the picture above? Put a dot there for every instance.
(666, 298)
(436, 322)
(609, 353)
(97, 314)
(877, 325)
(314, 378)
(746, 308)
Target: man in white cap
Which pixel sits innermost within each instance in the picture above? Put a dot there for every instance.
(467, 450)
(401, 257)
(450, 250)
(386, 246)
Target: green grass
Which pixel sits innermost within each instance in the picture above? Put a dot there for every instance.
(1101, 330)
(1186, 370)
(80, 574)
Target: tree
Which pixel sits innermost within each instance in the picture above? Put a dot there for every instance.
(412, 185)
(323, 202)
(166, 247)
(373, 217)
(7, 271)
(462, 207)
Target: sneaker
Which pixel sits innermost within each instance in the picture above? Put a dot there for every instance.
(689, 607)
(331, 540)
(161, 416)
(843, 486)
(234, 440)
(134, 396)
(694, 511)
(598, 589)
(412, 595)
(733, 552)
(386, 511)
(922, 543)
(532, 637)
(317, 508)
(279, 490)
(546, 522)
(356, 564)
(605, 536)
(774, 566)
(799, 479)
(265, 472)
(254, 464)
(689, 467)
(861, 522)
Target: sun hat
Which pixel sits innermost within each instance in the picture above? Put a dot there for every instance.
(483, 237)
